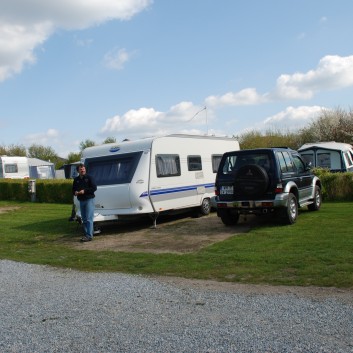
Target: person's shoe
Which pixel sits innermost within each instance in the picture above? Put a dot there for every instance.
(85, 239)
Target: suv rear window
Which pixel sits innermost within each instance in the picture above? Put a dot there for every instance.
(233, 162)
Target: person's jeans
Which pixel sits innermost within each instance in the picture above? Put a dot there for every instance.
(87, 214)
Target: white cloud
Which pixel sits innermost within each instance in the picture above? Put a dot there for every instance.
(25, 24)
(333, 72)
(116, 58)
(16, 46)
(42, 138)
(147, 121)
(63, 145)
(247, 96)
(294, 117)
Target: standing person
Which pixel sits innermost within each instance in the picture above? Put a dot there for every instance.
(84, 187)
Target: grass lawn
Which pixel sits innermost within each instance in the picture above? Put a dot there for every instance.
(316, 251)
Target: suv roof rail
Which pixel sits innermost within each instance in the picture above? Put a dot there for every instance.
(288, 148)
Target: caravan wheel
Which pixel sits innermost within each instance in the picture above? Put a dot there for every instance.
(205, 207)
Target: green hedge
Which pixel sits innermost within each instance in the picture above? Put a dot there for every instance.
(50, 191)
(335, 187)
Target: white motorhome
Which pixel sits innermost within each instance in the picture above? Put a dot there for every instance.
(335, 156)
(154, 175)
(12, 167)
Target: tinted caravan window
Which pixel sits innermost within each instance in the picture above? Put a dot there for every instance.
(194, 163)
(118, 169)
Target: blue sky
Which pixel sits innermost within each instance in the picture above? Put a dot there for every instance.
(91, 69)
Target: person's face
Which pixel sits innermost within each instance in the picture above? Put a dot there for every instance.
(82, 170)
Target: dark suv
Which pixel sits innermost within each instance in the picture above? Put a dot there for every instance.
(265, 180)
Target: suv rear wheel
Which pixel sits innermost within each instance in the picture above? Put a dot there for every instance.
(228, 217)
(290, 213)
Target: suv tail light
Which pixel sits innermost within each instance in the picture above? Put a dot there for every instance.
(279, 188)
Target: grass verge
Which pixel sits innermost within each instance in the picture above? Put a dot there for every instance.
(316, 251)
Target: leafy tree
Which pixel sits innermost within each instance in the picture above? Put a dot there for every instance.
(257, 139)
(42, 152)
(73, 157)
(109, 140)
(331, 125)
(86, 143)
(13, 150)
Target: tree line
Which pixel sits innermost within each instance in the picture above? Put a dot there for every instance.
(331, 125)
(48, 153)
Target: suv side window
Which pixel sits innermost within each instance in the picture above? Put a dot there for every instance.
(282, 162)
(289, 163)
(299, 164)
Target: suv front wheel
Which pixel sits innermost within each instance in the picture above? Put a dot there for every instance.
(315, 206)
(290, 213)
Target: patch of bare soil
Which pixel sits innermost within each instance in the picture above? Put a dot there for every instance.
(172, 235)
(345, 295)
(8, 209)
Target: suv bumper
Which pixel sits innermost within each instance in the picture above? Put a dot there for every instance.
(255, 206)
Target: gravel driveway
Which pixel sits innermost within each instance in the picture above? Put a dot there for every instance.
(53, 310)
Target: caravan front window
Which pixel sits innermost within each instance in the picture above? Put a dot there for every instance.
(118, 169)
(167, 165)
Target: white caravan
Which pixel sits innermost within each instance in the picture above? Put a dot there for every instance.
(335, 156)
(154, 175)
(24, 168)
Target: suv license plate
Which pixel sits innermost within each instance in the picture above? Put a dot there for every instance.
(227, 190)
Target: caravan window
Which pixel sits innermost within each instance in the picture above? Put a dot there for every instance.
(168, 165)
(118, 169)
(308, 158)
(324, 160)
(348, 158)
(11, 168)
(216, 160)
(194, 163)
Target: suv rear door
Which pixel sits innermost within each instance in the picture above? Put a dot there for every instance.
(294, 169)
(304, 179)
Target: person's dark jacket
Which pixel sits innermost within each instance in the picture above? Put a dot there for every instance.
(87, 183)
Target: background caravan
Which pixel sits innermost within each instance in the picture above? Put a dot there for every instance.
(335, 156)
(12, 167)
(154, 175)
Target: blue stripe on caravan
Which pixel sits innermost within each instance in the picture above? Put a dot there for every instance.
(175, 190)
